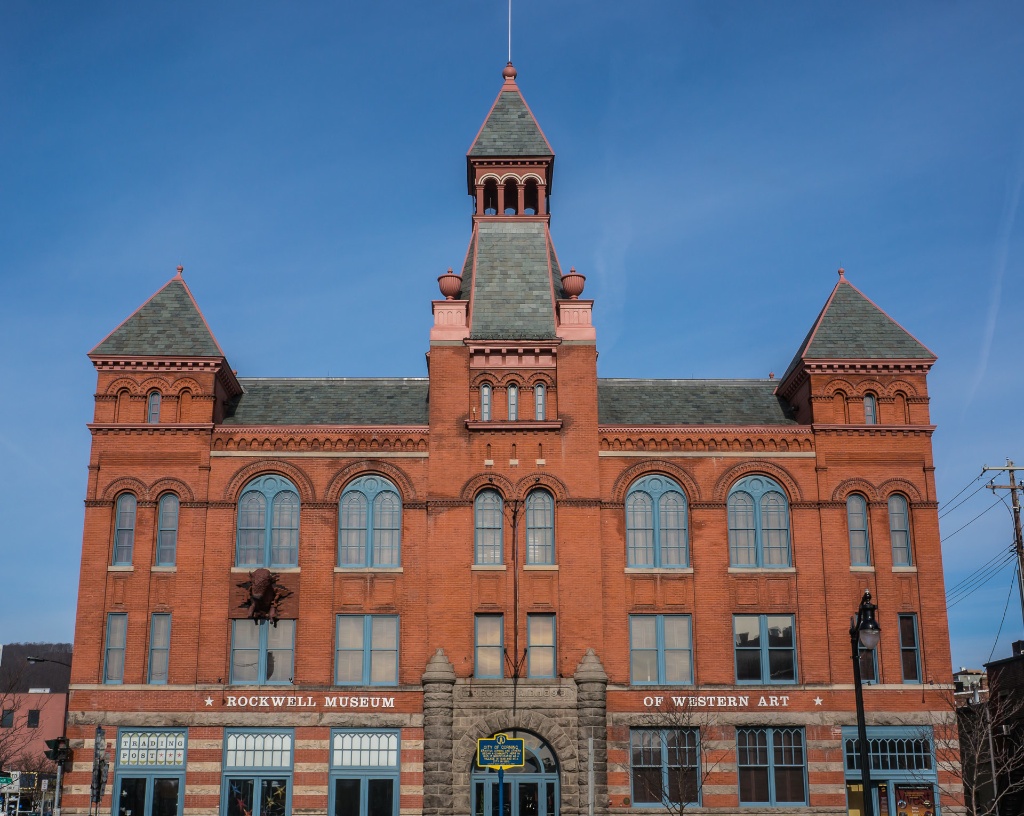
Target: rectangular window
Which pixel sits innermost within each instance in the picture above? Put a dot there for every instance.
(367, 650)
(117, 635)
(150, 772)
(772, 766)
(364, 773)
(33, 718)
(665, 766)
(765, 647)
(660, 650)
(909, 651)
(159, 647)
(262, 653)
(540, 645)
(489, 660)
(7, 718)
(257, 773)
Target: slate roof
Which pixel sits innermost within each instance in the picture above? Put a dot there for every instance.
(510, 130)
(691, 402)
(169, 324)
(511, 283)
(329, 401)
(17, 675)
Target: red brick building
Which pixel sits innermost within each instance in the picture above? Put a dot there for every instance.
(649, 581)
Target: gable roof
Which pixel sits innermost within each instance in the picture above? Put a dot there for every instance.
(510, 128)
(169, 324)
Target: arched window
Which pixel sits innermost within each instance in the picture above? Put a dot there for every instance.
(488, 511)
(485, 402)
(511, 197)
(870, 410)
(857, 524)
(758, 524)
(513, 403)
(268, 523)
(167, 530)
(370, 524)
(656, 524)
(539, 404)
(899, 531)
(124, 529)
(491, 197)
(531, 197)
(540, 527)
(153, 408)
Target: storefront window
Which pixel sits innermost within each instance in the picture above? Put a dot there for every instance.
(150, 773)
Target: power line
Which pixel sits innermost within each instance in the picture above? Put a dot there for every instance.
(1008, 596)
(965, 592)
(965, 489)
(962, 501)
(1000, 557)
(968, 524)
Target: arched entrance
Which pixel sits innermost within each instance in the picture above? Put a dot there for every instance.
(529, 791)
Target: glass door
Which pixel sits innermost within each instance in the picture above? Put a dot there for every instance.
(148, 796)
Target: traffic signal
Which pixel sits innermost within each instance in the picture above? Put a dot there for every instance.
(53, 747)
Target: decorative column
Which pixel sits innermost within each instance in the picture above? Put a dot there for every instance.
(591, 709)
(438, 685)
(522, 198)
(542, 199)
(501, 198)
(480, 199)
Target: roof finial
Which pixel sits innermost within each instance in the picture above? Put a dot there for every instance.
(842, 274)
(509, 73)
(180, 270)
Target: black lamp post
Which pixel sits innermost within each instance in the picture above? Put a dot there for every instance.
(864, 634)
(58, 793)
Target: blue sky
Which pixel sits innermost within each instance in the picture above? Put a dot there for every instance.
(305, 162)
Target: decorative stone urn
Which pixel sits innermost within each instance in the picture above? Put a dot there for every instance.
(450, 284)
(572, 284)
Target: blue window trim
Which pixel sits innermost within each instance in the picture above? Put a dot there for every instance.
(124, 528)
(167, 528)
(530, 647)
(771, 764)
(108, 647)
(909, 734)
(546, 531)
(757, 488)
(371, 487)
(870, 409)
(858, 532)
(500, 646)
(902, 553)
(367, 650)
(513, 402)
(270, 486)
(765, 649)
(915, 648)
(256, 773)
(148, 772)
(264, 630)
(660, 645)
(486, 394)
(153, 648)
(480, 555)
(153, 408)
(539, 401)
(656, 488)
(364, 773)
(634, 733)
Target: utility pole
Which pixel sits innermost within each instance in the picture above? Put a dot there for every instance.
(1018, 539)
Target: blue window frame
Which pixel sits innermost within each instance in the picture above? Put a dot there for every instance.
(124, 530)
(268, 523)
(899, 531)
(772, 766)
(765, 647)
(364, 773)
(113, 653)
(488, 511)
(758, 524)
(540, 527)
(910, 652)
(489, 651)
(656, 522)
(370, 524)
(167, 530)
(367, 650)
(539, 401)
(149, 771)
(485, 402)
(257, 779)
(857, 524)
(870, 410)
(262, 653)
(513, 403)
(159, 647)
(540, 646)
(664, 766)
(153, 408)
(900, 756)
(660, 650)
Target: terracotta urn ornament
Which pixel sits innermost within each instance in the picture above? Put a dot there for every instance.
(572, 284)
(450, 284)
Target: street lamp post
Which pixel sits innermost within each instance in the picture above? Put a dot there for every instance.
(59, 786)
(864, 633)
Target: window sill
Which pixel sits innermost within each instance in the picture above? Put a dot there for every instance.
(121, 568)
(247, 570)
(768, 570)
(516, 425)
(904, 569)
(488, 568)
(659, 570)
(163, 568)
(369, 569)
(540, 567)
(862, 568)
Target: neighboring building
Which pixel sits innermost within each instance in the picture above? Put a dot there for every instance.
(970, 685)
(650, 581)
(1005, 719)
(32, 700)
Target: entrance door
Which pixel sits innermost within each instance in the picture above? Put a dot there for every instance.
(148, 796)
(528, 791)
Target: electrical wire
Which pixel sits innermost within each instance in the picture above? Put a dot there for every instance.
(966, 499)
(998, 633)
(966, 579)
(964, 593)
(968, 524)
(965, 489)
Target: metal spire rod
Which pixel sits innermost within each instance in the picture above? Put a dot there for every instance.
(510, 31)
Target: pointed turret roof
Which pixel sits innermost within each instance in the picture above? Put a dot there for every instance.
(510, 128)
(169, 324)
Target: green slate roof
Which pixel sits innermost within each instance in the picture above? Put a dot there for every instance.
(691, 402)
(329, 401)
(169, 324)
(510, 130)
(509, 285)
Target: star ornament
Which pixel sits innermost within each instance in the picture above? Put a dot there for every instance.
(209, 701)
(817, 701)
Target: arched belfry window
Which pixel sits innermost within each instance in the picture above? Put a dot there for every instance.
(511, 197)
(124, 529)
(758, 524)
(491, 197)
(531, 197)
(268, 523)
(540, 527)
(153, 408)
(370, 524)
(656, 524)
(488, 512)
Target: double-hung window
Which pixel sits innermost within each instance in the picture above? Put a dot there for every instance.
(257, 773)
(167, 530)
(364, 773)
(117, 638)
(857, 524)
(660, 650)
(370, 524)
(488, 512)
(656, 524)
(870, 409)
(513, 403)
(765, 647)
(149, 773)
(910, 653)
(268, 523)
(367, 650)
(540, 527)
(262, 653)
(899, 531)
(772, 766)
(665, 766)
(758, 524)
(489, 658)
(124, 530)
(539, 401)
(7, 718)
(153, 408)
(33, 718)
(540, 645)
(485, 402)
(159, 647)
